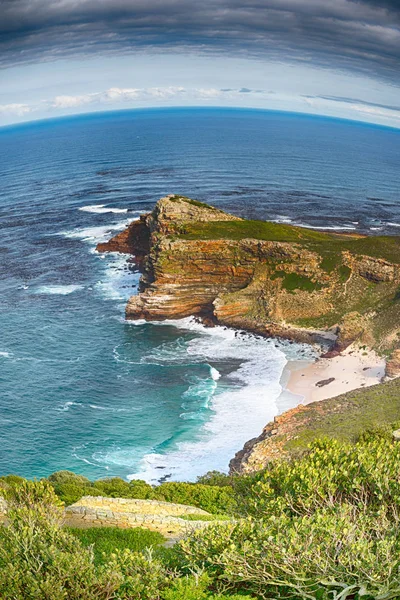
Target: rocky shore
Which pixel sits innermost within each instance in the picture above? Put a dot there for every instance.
(338, 291)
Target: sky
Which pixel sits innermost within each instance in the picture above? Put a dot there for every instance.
(338, 58)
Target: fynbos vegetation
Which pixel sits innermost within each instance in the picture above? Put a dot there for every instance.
(321, 526)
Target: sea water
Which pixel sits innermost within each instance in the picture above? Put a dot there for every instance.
(81, 388)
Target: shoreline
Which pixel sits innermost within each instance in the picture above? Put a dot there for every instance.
(354, 368)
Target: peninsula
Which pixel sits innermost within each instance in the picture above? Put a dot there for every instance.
(339, 291)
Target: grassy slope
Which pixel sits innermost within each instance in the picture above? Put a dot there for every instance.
(108, 539)
(328, 245)
(345, 417)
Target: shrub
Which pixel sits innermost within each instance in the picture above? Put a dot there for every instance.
(115, 487)
(330, 474)
(342, 555)
(215, 478)
(213, 499)
(143, 576)
(63, 477)
(106, 540)
(39, 560)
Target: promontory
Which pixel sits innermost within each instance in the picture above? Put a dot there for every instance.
(272, 279)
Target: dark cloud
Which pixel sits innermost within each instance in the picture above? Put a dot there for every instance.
(357, 35)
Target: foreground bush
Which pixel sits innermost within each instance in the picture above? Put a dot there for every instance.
(70, 487)
(332, 556)
(322, 527)
(331, 473)
(39, 560)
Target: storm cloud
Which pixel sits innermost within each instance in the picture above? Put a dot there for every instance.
(352, 35)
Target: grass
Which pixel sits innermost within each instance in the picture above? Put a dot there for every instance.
(294, 281)
(346, 417)
(201, 517)
(106, 540)
(327, 244)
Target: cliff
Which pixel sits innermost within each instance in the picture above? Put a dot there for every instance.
(345, 417)
(273, 279)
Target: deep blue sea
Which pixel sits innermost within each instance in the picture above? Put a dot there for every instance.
(80, 388)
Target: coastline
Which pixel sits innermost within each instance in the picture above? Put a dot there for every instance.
(352, 369)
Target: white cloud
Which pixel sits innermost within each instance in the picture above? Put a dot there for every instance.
(15, 109)
(116, 94)
(114, 97)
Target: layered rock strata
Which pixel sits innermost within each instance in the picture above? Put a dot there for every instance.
(198, 260)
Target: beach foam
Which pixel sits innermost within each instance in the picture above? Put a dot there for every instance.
(237, 405)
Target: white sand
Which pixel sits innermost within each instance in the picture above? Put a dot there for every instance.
(354, 368)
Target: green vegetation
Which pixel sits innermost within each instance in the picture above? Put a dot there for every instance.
(322, 526)
(294, 281)
(345, 417)
(70, 487)
(260, 230)
(329, 245)
(106, 540)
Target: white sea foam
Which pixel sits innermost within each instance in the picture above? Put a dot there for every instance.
(67, 405)
(282, 219)
(241, 403)
(394, 224)
(62, 290)
(118, 281)
(327, 227)
(100, 209)
(5, 354)
(99, 233)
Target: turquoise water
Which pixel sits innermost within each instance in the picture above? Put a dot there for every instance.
(80, 388)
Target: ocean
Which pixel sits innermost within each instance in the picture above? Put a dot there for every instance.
(82, 389)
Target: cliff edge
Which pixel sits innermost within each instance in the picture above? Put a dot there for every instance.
(269, 278)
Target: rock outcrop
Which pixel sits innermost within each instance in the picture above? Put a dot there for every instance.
(345, 417)
(268, 278)
(393, 365)
(165, 517)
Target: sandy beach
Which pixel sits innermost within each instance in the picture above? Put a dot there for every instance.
(329, 377)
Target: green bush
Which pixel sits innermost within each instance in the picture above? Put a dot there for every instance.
(207, 496)
(115, 487)
(215, 478)
(106, 540)
(326, 556)
(143, 577)
(67, 477)
(39, 560)
(329, 474)
(213, 499)
(195, 588)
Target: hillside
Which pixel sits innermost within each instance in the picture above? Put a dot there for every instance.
(343, 418)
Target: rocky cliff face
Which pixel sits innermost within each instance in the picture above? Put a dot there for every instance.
(268, 278)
